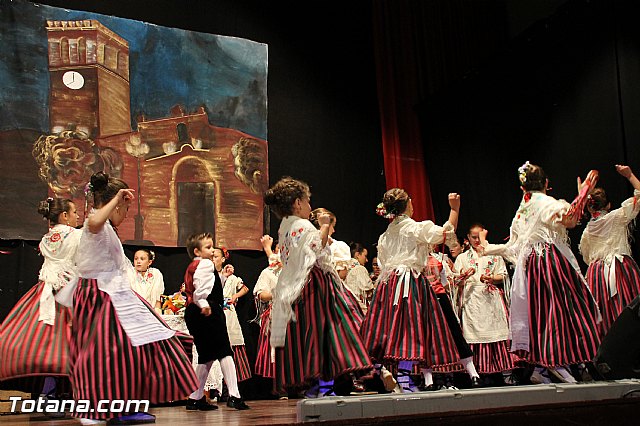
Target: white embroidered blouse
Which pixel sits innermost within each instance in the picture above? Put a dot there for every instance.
(406, 244)
(149, 285)
(58, 247)
(608, 235)
(103, 259)
(300, 249)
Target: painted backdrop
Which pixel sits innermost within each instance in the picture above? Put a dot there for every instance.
(181, 116)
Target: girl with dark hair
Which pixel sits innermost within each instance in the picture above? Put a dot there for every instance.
(312, 326)
(34, 337)
(121, 348)
(613, 275)
(405, 323)
(553, 319)
(358, 281)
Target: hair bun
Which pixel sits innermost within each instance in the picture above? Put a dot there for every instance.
(44, 207)
(99, 181)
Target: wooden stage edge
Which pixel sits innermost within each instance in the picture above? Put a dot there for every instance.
(595, 403)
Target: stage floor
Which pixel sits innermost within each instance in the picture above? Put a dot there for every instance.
(595, 403)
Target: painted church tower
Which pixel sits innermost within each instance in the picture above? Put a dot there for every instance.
(89, 79)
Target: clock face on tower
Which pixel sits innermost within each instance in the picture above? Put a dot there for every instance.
(73, 80)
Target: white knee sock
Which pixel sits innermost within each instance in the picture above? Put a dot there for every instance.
(469, 366)
(202, 371)
(428, 376)
(230, 376)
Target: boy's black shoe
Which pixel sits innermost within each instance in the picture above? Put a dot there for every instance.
(237, 403)
(200, 404)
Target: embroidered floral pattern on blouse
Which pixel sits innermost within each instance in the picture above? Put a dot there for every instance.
(53, 240)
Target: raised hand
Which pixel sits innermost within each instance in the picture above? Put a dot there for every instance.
(591, 179)
(324, 219)
(125, 195)
(454, 201)
(624, 170)
(266, 241)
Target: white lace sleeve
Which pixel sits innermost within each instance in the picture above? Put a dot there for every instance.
(631, 206)
(432, 234)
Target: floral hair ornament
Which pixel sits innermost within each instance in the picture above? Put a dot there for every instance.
(382, 211)
(225, 252)
(88, 189)
(522, 172)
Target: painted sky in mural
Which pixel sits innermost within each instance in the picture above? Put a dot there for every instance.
(195, 148)
(219, 72)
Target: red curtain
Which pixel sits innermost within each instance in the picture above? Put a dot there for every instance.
(422, 46)
(401, 141)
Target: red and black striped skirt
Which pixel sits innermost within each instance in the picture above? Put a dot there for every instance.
(492, 357)
(563, 314)
(414, 329)
(243, 368)
(323, 341)
(627, 284)
(104, 364)
(264, 366)
(29, 347)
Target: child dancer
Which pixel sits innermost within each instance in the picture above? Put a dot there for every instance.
(484, 316)
(34, 337)
(120, 348)
(149, 282)
(358, 280)
(233, 288)
(553, 317)
(311, 320)
(206, 321)
(613, 275)
(404, 322)
(263, 293)
(341, 259)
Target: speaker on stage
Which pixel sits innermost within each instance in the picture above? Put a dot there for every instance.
(618, 356)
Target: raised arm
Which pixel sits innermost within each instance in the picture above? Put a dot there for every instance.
(454, 203)
(101, 215)
(267, 241)
(628, 173)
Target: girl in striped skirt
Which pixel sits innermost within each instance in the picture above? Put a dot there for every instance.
(312, 324)
(483, 312)
(341, 258)
(120, 347)
(233, 288)
(405, 322)
(34, 337)
(613, 275)
(554, 317)
(263, 293)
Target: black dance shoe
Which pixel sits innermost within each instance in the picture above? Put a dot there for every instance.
(475, 382)
(200, 405)
(237, 403)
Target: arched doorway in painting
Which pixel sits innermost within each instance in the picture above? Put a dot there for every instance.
(195, 199)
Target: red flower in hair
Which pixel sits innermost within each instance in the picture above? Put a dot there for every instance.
(225, 252)
(527, 197)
